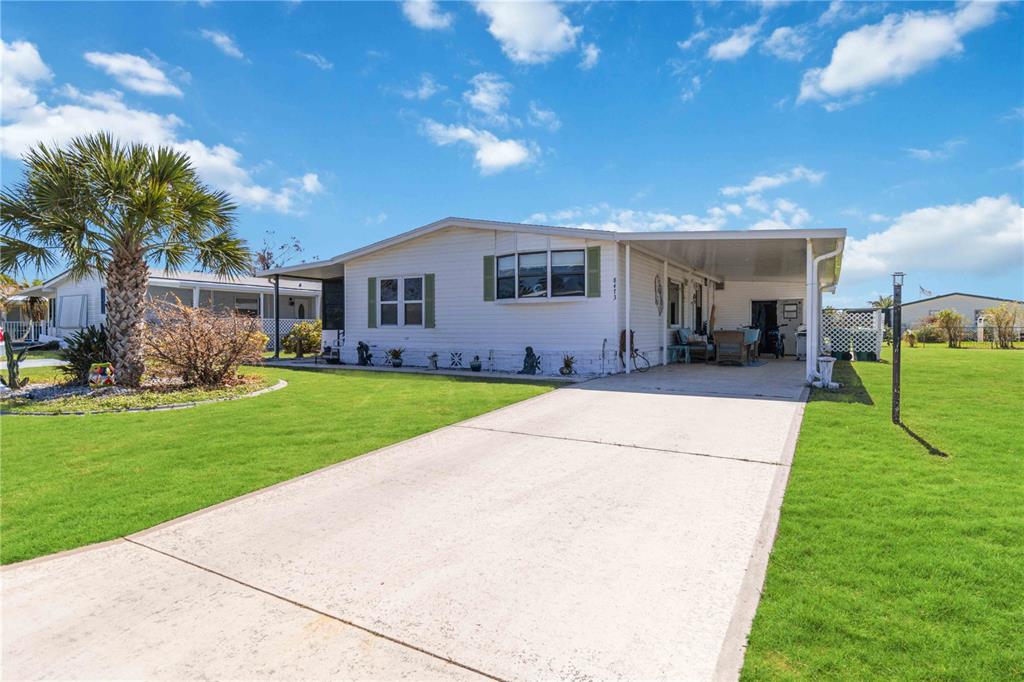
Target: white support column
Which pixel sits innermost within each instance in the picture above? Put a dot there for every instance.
(629, 302)
(664, 312)
(261, 306)
(316, 308)
(195, 297)
(810, 299)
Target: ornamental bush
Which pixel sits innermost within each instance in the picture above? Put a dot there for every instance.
(952, 325)
(199, 346)
(304, 337)
(84, 348)
(1001, 323)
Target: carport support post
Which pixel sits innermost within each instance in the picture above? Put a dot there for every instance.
(664, 313)
(277, 317)
(626, 355)
(810, 299)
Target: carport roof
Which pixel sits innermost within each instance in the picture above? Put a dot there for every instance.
(755, 255)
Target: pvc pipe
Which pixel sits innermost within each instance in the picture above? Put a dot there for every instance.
(814, 295)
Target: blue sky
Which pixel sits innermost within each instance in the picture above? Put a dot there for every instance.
(341, 124)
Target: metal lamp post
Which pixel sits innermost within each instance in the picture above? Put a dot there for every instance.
(897, 334)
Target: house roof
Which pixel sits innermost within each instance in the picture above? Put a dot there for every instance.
(189, 279)
(767, 254)
(959, 293)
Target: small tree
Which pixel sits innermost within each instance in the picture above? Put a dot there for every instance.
(1003, 320)
(952, 325)
(201, 347)
(304, 337)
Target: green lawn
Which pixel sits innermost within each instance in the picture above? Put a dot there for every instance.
(70, 481)
(890, 562)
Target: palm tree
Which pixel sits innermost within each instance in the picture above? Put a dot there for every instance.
(881, 302)
(100, 206)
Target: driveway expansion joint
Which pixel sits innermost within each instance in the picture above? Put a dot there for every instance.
(623, 445)
(317, 611)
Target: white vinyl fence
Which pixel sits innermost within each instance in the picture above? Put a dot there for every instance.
(854, 331)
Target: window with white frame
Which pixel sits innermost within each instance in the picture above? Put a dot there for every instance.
(401, 301)
(541, 274)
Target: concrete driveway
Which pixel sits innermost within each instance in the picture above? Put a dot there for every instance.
(618, 529)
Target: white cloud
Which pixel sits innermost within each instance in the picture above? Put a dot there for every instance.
(698, 37)
(878, 218)
(690, 91)
(842, 12)
(980, 237)
(426, 14)
(310, 183)
(591, 53)
(894, 49)
(29, 121)
(223, 42)
(21, 69)
(530, 32)
(787, 42)
(134, 73)
(543, 118)
(737, 44)
(426, 89)
(489, 95)
(761, 183)
(492, 155)
(318, 60)
(943, 152)
(605, 217)
(784, 215)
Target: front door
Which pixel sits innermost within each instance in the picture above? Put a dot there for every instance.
(764, 316)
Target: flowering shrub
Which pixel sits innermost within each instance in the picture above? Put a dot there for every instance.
(198, 346)
(304, 337)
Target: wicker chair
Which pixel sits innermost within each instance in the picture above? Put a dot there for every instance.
(731, 347)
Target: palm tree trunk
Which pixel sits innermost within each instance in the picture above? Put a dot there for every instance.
(127, 279)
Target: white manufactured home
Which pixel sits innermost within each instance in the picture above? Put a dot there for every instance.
(461, 288)
(970, 306)
(76, 304)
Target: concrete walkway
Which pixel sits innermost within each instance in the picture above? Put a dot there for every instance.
(38, 362)
(617, 529)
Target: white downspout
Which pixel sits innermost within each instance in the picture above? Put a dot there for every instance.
(629, 302)
(814, 294)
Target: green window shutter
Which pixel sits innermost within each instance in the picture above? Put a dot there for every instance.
(488, 278)
(371, 302)
(428, 301)
(593, 272)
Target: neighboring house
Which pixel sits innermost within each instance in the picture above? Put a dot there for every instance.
(78, 304)
(970, 306)
(461, 288)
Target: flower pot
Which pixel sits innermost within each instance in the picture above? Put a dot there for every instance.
(865, 356)
(565, 371)
(475, 366)
(396, 362)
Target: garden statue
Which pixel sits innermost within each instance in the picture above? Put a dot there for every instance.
(365, 356)
(531, 362)
(101, 374)
(432, 360)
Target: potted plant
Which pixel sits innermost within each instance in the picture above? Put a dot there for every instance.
(568, 361)
(396, 356)
(475, 364)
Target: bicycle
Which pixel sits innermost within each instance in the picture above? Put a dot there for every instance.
(639, 360)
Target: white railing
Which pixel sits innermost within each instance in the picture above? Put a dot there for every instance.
(24, 330)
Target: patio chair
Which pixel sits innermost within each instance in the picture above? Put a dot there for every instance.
(680, 350)
(730, 346)
(751, 341)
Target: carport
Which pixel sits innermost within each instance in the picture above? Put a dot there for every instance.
(769, 263)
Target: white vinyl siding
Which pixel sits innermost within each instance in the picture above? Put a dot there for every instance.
(732, 307)
(463, 320)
